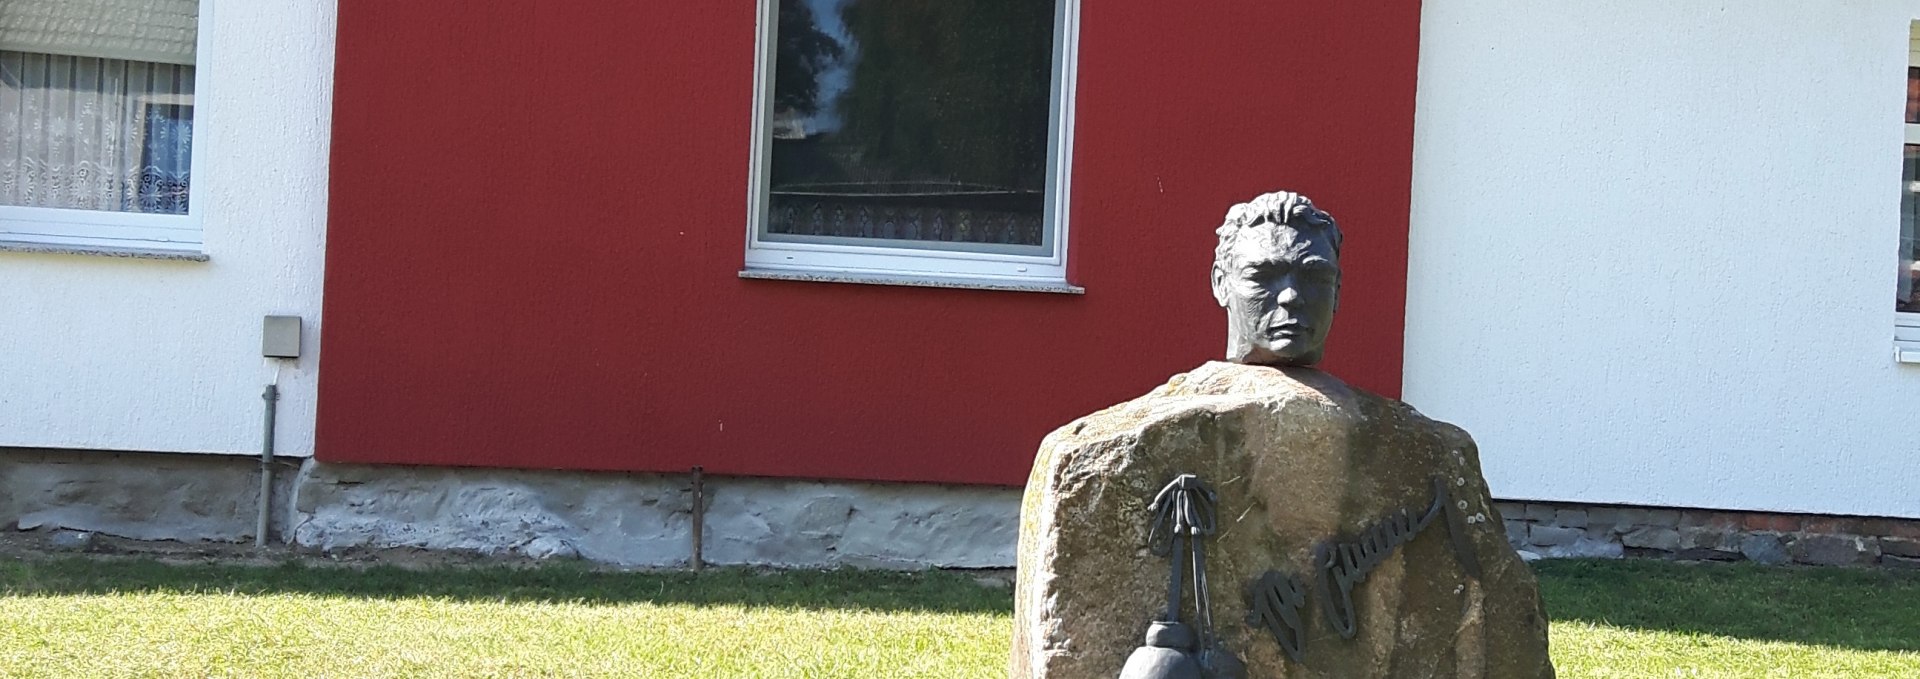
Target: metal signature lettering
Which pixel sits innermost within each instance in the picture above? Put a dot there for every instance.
(1277, 598)
(1341, 565)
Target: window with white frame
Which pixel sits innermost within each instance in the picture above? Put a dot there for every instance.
(1906, 304)
(96, 122)
(915, 138)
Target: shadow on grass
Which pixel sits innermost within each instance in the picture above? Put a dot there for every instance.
(838, 590)
(1857, 609)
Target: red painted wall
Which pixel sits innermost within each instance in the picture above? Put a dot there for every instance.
(538, 213)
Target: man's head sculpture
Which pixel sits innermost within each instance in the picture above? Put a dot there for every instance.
(1277, 273)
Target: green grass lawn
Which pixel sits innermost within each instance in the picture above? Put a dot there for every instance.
(1660, 619)
(94, 618)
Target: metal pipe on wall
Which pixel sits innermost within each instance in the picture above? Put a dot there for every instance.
(272, 397)
(698, 560)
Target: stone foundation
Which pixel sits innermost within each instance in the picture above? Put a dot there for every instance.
(636, 520)
(140, 496)
(1550, 530)
(643, 520)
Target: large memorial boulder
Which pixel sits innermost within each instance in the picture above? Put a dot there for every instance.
(1315, 530)
(1319, 484)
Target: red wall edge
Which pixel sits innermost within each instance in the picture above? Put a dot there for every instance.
(537, 217)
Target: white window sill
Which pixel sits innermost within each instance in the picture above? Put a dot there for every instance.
(104, 251)
(1005, 285)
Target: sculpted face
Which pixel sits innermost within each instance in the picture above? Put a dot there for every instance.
(1279, 285)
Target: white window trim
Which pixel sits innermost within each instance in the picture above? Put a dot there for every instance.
(886, 264)
(81, 230)
(1906, 324)
(1906, 336)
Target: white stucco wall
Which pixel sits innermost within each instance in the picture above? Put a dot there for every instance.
(1654, 247)
(130, 354)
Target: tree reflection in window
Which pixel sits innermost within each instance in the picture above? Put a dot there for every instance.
(914, 120)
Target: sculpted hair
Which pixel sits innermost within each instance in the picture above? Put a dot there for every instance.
(1280, 208)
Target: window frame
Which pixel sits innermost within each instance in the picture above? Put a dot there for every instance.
(1906, 324)
(69, 228)
(884, 263)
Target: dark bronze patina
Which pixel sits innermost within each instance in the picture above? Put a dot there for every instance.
(1185, 512)
(1276, 271)
(1277, 600)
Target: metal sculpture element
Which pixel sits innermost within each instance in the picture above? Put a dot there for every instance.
(1276, 599)
(1340, 566)
(1276, 271)
(1185, 512)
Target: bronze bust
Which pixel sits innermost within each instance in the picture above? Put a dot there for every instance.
(1276, 271)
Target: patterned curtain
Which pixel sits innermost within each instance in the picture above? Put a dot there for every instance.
(96, 104)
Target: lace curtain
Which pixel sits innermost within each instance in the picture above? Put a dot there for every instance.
(96, 104)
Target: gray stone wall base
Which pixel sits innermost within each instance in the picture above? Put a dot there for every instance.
(645, 520)
(140, 496)
(1557, 529)
(636, 520)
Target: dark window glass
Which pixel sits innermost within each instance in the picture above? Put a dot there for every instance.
(1908, 296)
(1913, 94)
(911, 120)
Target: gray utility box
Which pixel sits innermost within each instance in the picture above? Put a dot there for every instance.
(280, 337)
